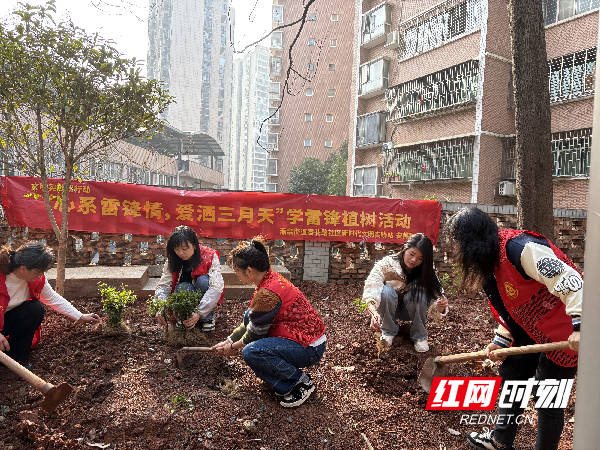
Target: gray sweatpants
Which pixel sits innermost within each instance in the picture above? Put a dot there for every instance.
(408, 309)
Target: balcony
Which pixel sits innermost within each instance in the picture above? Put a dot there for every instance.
(371, 129)
(376, 24)
(273, 142)
(442, 160)
(572, 76)
(435, 27)
(274, 116)
(451, 88)
(571, 152)
(373, 78)
(277, 40)
(275, 65)
(275, 91)
(271, 169)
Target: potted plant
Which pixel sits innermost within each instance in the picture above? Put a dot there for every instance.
(114, 302)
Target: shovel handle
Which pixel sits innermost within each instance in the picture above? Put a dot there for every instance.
(27, 375)
(536, 348)
(196, 349)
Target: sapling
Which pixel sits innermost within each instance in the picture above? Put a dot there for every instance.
(114, 302)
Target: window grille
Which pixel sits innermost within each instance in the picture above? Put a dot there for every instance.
(453, 87)
(370, 128)
(433, 28)
(442, 160)
(573, 75)
(557, 10)
(570, 154)
(373, 77)
(366, 181)
(376, 23)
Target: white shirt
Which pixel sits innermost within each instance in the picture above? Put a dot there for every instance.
(18, 292)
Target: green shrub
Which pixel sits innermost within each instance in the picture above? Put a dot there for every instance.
(114, 302)
(180, 304)
(361, 306)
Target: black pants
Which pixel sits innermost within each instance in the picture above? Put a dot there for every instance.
(550, 420)
(20, 324)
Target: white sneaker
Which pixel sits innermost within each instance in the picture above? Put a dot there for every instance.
(389, 340)
(421, 346)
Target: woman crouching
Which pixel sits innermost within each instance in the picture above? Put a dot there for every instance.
(281, 332)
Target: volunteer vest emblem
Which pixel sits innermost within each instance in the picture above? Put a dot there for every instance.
(511, 291)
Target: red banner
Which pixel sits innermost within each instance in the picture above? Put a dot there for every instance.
(137, 209)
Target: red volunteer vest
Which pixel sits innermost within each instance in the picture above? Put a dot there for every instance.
(35, 289)
(206, 258)
(541, 314)
(297, 320)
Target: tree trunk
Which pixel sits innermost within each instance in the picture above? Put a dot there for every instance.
(64, 232)
(532, 115)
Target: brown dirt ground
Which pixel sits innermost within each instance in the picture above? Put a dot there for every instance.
(129, 393)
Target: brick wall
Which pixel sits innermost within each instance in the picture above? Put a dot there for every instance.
(337, 262)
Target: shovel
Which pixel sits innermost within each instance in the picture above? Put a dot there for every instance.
(189, 349)
(53, 395)
(434, 367)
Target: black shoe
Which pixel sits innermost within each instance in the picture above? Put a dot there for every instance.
(27, 365)
(299, 394)
(484, 441)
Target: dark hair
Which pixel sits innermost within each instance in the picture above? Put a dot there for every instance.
(423, 275)
(477, 237)
(180, 236)
(32, 255)
(252, 254)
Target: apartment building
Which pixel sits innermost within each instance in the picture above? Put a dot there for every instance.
(249, 132)
(189, 51)
(434, 110)
(309, 116)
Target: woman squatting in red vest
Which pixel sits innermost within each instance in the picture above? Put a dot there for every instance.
(24, 290)
(192, 267)
(281, 332)
(535, 294)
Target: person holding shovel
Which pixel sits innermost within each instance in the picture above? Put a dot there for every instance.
(535, 294)
(192, 267)
(281, 332)
(24, 290)
(402, 287)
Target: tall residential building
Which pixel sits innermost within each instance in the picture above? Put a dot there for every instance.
(434, 105)
(314, 117)
(189, 51)
(249, 109)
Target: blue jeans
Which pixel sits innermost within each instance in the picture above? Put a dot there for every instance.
(408, 309)
(200, 284)
(277, 361)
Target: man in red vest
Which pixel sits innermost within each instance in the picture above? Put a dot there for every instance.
(535, 294)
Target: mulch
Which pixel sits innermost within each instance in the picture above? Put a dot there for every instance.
(130, 394)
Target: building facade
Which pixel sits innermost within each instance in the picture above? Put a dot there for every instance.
(309, 112)
(434, 110)
(249, 132)
(189, 52)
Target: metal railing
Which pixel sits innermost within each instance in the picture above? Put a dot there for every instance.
(573, 75)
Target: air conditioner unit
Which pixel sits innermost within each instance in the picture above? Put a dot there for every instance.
(507, 188)
(391, 40)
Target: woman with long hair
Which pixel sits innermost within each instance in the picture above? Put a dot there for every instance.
(402, 287)
(535, 294)
(281, 332)
(24, 290)
(192, 267)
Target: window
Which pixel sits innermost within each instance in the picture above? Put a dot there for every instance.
(373, 77)
(376, 23)
(333, 42)
(222, 62)
(330, 92)
(271, 169)
(307, 142)
(273, 116)
(366, 181)
(572, 75)
(271, 187)
(332, 67)
(274, 91)
(312, 42)
(277, 14)
(312, 17)
(311, 67)
(328, 144)
(309, 92)
(371, 128)
(308, 117)
(557, 10)
(334, 17)
(273, 141)
(277, 39)
(329, 118)
(276, 63)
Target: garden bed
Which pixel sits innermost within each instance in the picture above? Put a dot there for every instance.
(129, 393)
